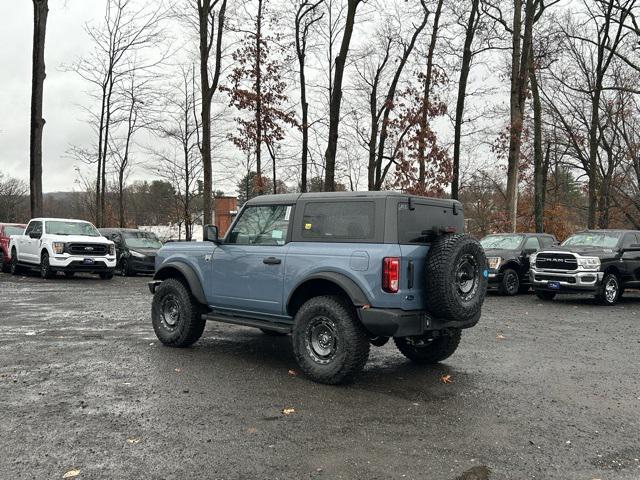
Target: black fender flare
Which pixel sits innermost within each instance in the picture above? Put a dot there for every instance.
(189, 275)
(355, 293)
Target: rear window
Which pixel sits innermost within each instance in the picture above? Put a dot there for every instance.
(339, 221)
(416, 225)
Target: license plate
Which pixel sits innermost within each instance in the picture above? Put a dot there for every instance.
(88, 261)
(553, 285)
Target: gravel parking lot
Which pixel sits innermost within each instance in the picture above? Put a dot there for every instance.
(537, 391)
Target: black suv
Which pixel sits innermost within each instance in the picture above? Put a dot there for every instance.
(135, 249)
(508, 259)
(600, 262)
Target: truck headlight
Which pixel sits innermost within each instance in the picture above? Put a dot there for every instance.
(532, 258)
(494, 262)
(58, 248)
(112, 249)
(137, 254)
(589, 263)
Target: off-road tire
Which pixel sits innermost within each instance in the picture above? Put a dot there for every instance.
(444, 296)
(273, 333)
(106, 275)
(545, 295)
(510, 284)
(432, 350)
(188, 326)
(350, 350)
(14, 268)
(4, 268)
(45, 268)
(606, 298)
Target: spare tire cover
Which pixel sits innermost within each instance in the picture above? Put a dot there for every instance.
(456, 280)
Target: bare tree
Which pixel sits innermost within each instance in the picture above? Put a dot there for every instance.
(40, 12)
(211, 24)
(336, 96)
(127, 31)
(307, 14)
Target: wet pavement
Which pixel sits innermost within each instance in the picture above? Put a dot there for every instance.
(537, 390)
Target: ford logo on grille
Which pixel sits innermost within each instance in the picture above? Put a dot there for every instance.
(88, 249)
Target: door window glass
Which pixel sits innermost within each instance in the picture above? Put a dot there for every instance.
(262, 225)
(629, 239)
(532, 244)
(339, 221)
(34, 227)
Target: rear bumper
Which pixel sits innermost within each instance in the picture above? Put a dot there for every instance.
(578, 281)
(402, 323)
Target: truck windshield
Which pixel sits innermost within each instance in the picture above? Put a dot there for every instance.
(593, 239)
(141, 240)
(60, 227)
(8, 231)
(503, 242)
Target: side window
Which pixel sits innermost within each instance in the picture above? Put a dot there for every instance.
(629, 239)
(339, 221)
(532, 243)
(546, 241)
(29, 228)
(34, 227)
(262, 225)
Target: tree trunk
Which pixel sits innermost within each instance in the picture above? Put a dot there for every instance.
(40, 12)
(538, 160)
(258, 71)
(424, 119)
(462, 91)
(336, 97)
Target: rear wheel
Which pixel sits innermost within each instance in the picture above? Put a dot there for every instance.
(427, 349)
(176, 315)
(610, 290)
(510, 284)
(329, 343)
(45, 268)
(3, 266)
(544, 295)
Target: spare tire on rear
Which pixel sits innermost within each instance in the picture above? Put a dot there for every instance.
(456, 280)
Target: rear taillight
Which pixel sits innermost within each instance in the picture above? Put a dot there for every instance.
(390, 274)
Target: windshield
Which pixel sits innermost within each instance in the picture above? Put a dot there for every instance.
(141, 240)
(8, 231)
(502, 242)
(60, 227)
(593, 239)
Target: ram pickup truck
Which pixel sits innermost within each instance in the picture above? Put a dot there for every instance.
(599, 262)
(54, 245)
(337, 271)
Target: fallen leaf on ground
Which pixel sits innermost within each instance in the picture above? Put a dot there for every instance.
(292, 373)
(288, 410)
(446, 379)
(133, 441)
(500, 337)
(178, 370)
(71, 474)
(252, 430)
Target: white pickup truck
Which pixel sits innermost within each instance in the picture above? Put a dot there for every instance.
(62, 245)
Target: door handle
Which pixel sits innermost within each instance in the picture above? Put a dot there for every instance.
(272, 261)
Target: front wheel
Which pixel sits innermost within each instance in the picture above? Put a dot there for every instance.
(544, 295)
(125, 269)
(15, 268)
(428, 349)
(106, 275)
(176, 315)
(510, 284)
(329, 343)
(610, 290)
(45, 268)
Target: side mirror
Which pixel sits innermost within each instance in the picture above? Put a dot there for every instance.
(34, 235)
(210, 234)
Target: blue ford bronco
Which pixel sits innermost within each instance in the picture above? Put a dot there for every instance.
(337, 271)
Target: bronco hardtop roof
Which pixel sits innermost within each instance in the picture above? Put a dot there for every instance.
(294, 197)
